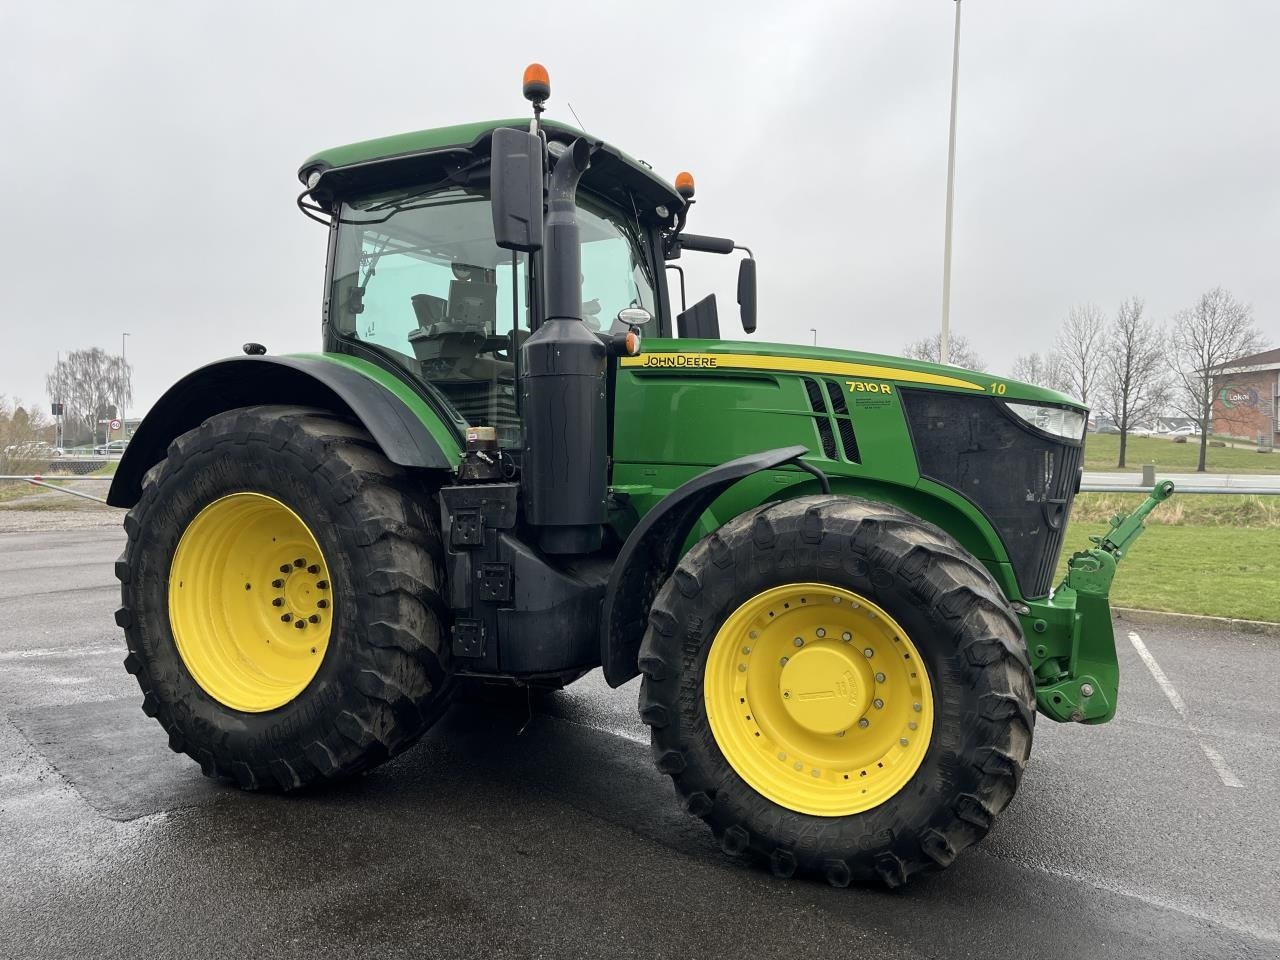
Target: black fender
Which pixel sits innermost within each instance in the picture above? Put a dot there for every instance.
(247, 381)
(653, 549)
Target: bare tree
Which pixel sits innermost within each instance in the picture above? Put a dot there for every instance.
(959, 349)
(20, 426)
(1209, 335)
(90, 383)
(1135, 384)
(1079, 341)
(1042, 369)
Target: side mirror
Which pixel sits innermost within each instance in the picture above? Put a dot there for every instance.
(515, 186)
(633, 317)
(747, 294)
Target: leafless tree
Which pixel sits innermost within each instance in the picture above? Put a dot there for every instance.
(1217, 330)
(90, 383)
(20, 425)
(1135, 383)
(959, 349)
(1042, 369)
(1079, 342)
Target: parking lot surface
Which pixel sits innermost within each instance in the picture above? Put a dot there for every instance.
(504, 834)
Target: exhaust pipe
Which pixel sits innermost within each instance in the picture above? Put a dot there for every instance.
(563, 365)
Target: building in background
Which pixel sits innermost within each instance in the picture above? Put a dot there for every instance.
(1246, 398)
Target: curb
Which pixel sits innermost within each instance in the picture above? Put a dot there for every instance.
(1262, 627)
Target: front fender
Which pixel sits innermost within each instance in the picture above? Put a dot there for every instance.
(407, 429)
(654, 548)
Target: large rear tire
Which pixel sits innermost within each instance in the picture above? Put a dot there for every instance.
(837, 687)
(281, 599)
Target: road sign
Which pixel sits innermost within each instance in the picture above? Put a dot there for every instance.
(115, 424)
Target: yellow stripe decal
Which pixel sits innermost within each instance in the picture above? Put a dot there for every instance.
(748, 361)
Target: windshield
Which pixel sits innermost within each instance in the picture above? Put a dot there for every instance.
(419, 275)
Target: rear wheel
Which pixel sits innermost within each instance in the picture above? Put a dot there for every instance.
(281, 599)
(838, 687)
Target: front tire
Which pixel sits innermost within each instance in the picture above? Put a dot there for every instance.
(281, 599)
(837, 687)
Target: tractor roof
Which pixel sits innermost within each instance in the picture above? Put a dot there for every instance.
(407, 157)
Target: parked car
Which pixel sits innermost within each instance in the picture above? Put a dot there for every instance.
(113, 448)
(1185, 430)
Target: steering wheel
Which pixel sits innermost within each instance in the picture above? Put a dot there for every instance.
(500, 345)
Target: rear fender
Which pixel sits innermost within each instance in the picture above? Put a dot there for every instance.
(404, 426)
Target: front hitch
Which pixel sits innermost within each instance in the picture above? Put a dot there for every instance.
(1071, 641)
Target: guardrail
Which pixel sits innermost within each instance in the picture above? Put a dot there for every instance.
(38, 480)
(1181, 491)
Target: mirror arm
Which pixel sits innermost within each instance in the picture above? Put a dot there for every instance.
(680, 270)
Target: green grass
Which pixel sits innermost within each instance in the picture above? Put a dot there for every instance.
(1218, 571)
(1102, 450)
(1206, 510)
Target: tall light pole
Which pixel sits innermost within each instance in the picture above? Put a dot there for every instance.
(124, 370)
(944, 346)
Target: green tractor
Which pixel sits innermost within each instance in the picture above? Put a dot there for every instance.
(516, 459)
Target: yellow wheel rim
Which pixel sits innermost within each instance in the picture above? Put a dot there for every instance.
(818, 699)
(250, 602)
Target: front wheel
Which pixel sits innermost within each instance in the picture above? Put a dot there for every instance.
(281, 602)
(838, 687)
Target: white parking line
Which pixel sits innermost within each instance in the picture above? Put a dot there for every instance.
(40, 653)
(1224, 772)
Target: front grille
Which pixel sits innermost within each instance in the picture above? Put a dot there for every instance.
(1022, 480)
(831, 420)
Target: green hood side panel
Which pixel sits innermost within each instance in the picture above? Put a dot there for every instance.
(684, 406)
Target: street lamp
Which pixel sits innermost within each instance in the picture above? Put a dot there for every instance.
(944, 346)
(124, 368)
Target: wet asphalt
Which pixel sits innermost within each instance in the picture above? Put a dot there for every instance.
(551, 835)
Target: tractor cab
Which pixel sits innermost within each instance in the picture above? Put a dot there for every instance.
(417, 282)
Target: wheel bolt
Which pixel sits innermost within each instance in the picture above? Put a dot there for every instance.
(285, 568)
(314, 618)
(879, 678)
(277, 583)
(782, 662)
(300, 562)
(864, 723)
(868, 653)
(903, 741)
(300, 624)
(286, 617)
(820, 632)
(799, 642)
(278, 602)
(314, 568)
(846, 636)
(915, 707)
(322, 603)
(878, 703)
(786, 694)
(322, 584)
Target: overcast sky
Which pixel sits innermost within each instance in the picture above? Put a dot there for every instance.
(1105, 150)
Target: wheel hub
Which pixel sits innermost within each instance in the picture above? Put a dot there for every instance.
(826, 687)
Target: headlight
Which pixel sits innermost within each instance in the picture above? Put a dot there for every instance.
(1068, 424)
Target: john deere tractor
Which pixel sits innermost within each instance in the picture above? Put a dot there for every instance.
(523, 456)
